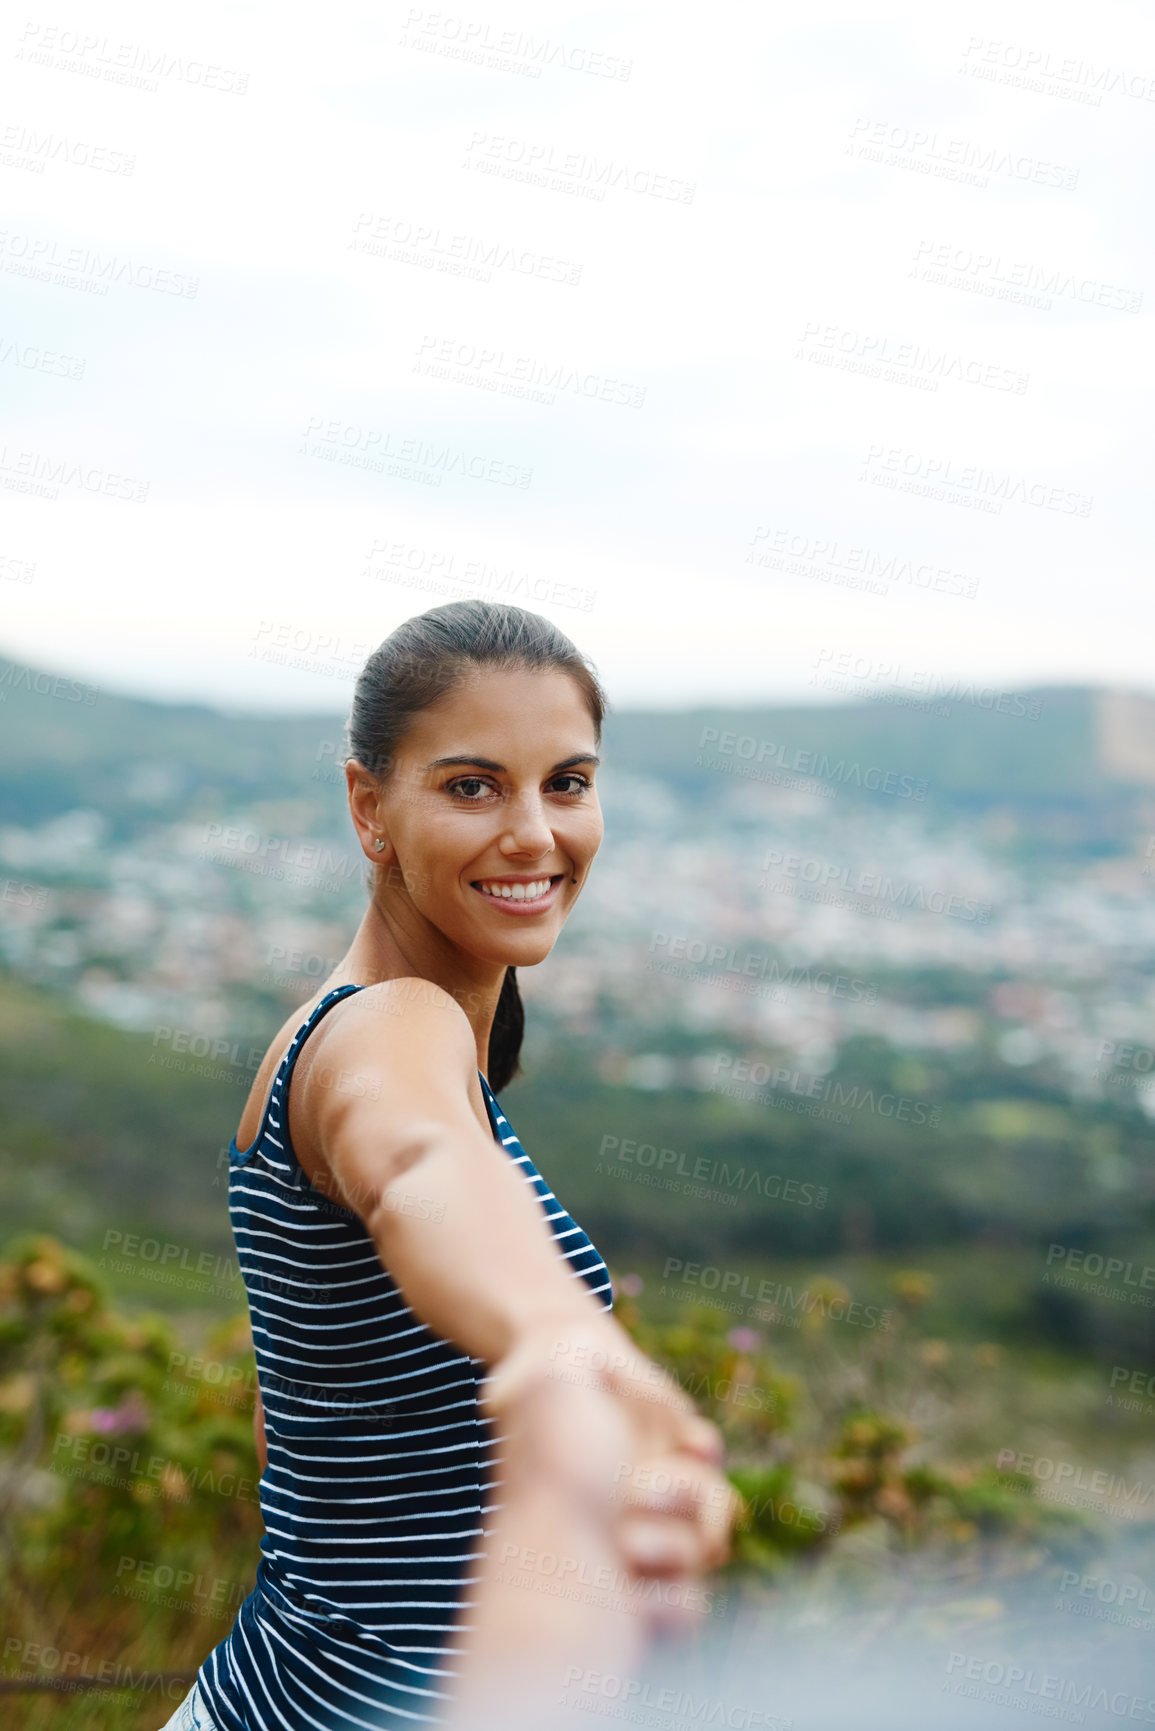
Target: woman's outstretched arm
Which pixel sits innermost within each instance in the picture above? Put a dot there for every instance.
(383, 1120)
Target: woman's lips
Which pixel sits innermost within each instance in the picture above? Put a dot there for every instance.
(510, 905)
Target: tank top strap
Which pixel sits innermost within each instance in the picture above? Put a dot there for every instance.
(272, 1142)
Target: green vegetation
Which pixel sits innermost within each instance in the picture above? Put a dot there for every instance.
(129, 1497)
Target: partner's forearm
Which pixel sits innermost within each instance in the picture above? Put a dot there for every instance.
(467, 1241)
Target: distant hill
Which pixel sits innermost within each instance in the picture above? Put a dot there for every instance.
(65, 744)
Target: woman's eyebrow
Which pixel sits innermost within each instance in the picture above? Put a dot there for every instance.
(500, 769)
(473, 762)
(578, 757)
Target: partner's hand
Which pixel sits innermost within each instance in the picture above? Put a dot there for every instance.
(675, 1507)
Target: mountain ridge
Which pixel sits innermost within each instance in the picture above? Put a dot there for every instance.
(65, 743)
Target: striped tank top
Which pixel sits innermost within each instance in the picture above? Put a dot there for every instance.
(380, 1460)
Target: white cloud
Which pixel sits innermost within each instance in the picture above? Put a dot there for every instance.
(791, 192)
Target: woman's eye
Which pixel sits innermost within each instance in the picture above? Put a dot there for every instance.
(469, 787)
(578, 784)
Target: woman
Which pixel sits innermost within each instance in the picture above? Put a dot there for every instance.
(410, 1276)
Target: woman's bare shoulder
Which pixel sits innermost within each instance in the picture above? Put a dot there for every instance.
(395, 1059)
(263, 1080)
(381, 1041)
(391, 1017)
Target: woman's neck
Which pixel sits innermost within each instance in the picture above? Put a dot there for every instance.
(383, 950)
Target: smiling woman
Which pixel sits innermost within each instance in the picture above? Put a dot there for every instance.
(411, 1277)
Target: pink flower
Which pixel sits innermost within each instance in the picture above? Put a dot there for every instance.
(743, 1339)
(131, 1414)
(631, 1285)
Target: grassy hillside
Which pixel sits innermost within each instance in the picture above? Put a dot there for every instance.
(95, 1136)
(98, 1137)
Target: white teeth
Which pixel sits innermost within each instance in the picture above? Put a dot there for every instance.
(518, 892)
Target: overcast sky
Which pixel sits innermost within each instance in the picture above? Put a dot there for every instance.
(694, 329)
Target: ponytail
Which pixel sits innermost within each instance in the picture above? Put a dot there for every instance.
(506, 1034)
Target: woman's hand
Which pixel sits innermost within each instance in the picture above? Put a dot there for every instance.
(675, 1507)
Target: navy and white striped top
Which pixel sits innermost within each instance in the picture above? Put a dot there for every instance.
(380, 1461)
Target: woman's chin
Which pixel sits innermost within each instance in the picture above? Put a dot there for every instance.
(518, 950)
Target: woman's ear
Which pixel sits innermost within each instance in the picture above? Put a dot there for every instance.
(365, 809)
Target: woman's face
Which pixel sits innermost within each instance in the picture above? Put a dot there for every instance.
(488, 814)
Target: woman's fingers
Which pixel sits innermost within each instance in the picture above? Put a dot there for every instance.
(700, 1437)
(660, 1547)
(684, 1508)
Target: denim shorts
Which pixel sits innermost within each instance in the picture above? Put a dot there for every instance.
(191, 1715)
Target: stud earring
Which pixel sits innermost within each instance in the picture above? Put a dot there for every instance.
(379, 845)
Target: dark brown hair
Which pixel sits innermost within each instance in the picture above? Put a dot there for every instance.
(426, 658)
